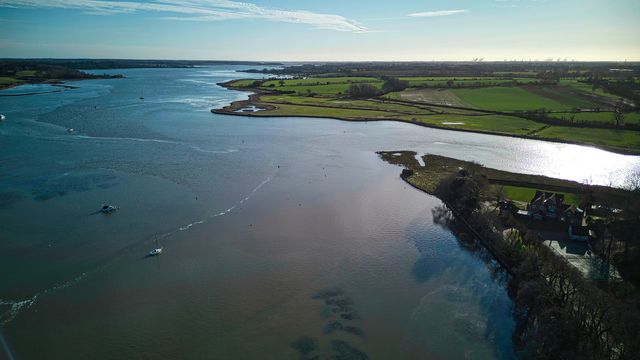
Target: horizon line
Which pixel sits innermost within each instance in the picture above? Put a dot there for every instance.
(327, 61)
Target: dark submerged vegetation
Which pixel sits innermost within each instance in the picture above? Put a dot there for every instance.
(340, 317)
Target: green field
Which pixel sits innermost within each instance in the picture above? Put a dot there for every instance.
(328, 97)
(507, 99)
(7, 80)
(463, 81)
(321, 81)
(26, 73)
(369, 110)
(432, 96)
(344, 103)
(586, 88)
(489, 123)
(301, 110)
(319, 86)
(565, 95)
(602, 116)
(242, 83)
(620, 139)
(525, 194)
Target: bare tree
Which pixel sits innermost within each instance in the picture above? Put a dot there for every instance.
(632, 182)
(618, 114)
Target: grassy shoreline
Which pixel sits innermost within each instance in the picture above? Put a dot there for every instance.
(599, 317)
(533, 131)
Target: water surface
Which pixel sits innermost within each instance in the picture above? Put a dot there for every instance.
(257, 217)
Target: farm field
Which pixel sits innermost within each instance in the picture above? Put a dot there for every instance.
(586, 88)
(321, 81)
(508, 125)
(463, 81)
(602, 116)
(434, 96)
(7, 80)
(26, 73)
(507, 99)
(329, 97)
(319, 86)
(318, 111)
(621, 139)
(243, 83)
(488, 123)
(344, 103)
(566, 96)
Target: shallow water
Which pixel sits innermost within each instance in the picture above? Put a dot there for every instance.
(256, 217)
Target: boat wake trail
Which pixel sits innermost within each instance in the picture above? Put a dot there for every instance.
(132, 139)
(14, 307)
(228, 151)
(225, 212)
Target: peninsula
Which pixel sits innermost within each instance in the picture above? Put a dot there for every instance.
(583, 103)
(570, 250)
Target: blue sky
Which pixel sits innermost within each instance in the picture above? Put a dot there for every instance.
(329, 30)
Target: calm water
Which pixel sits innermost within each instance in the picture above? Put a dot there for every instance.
(256, 217)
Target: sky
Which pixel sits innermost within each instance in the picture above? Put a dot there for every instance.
(322, 30)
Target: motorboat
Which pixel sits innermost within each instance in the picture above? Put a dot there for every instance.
(70, 130)
(108, 209)
(2, 117)
(156, 251)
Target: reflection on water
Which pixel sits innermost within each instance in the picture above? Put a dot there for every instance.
(322, 249)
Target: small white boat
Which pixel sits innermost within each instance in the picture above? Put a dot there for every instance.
(156, 251)
(108, 209)
(2, 117)
(70, 130)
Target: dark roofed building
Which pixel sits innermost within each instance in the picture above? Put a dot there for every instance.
(546, 205)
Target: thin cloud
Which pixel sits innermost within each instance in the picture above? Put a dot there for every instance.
(197, 10)
(437, 13)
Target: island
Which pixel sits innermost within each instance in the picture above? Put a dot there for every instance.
(582, 103)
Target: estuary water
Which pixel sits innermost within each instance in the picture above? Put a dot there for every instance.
(283, 238)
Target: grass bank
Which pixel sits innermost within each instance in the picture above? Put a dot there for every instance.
(497, 110)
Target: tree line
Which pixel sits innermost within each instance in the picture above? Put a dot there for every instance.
(559, 315)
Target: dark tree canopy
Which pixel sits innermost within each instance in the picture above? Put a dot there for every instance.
(362, 90)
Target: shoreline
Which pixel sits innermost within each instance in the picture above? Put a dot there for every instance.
(55, 82)
(535, 269)
(254, 100)
(60, 84)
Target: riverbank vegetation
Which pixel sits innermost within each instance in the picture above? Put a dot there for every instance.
(584, 103)
(559, 312)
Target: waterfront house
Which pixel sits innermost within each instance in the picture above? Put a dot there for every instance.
(546, 205)
(572, 215)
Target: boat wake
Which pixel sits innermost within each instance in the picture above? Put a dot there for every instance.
(225, 212)
(132, 139)
(14, 307)
(228, 151)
